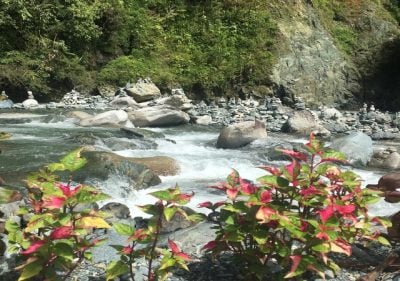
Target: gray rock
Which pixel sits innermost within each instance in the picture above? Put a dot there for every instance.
(102, 165)
(158, 116)
(6, 104)
(117, 210)
(357, 147)
(204, 120)
(124, 102)
(241, 134)
(108, 118)
(302, 122)
(144, 90)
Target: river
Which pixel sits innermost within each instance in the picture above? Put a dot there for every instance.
(45, 136)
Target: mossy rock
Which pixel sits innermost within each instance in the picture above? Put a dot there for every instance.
(4, 136)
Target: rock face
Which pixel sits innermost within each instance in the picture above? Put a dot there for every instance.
(312, 67)
(143, 90)
(357, 147)
(101, 165)
(241, 134)
(158, 116)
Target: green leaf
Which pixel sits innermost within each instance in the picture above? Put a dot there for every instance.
(123, 229)
(322, 247)
(166, 263)
(274, 181)
(73, 160)
(150, 209)
(333, 155)
(166, 195)
(169, 212)
(383, 241)
(64, 250)
(12, 226)
(88, 194)
(115, 269)
(30, 270)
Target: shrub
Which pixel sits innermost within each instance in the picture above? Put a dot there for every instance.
(295, 216)
(55, 238)
(143, 241)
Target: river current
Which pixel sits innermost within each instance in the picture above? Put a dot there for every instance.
(43, 138)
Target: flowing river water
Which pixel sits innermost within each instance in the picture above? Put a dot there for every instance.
(44, 137)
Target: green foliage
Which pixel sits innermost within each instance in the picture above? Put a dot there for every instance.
(346, 37)
(295, 216)
(215, 44)
(143, 241)
(56, 237)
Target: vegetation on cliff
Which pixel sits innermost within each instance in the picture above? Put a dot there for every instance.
(207, 47)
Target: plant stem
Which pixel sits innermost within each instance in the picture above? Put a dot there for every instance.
(131, 260)
(156, 234)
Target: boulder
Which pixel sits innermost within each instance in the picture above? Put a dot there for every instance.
(80, 115)
(330, 113)
(204, 120)
(101, 165)
(143, 90)
(388, 159)
(116, 210)
(158, 116)
(241, 134)
(124, 102)
(30, 103)
(160, 165)
(389, 184)
(6, 104)
(357, 147)
(108, 118)
(302, 122)
(179, 101)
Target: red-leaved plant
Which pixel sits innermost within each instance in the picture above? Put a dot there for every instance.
(55, 239)
(295, 216)
(143, 242)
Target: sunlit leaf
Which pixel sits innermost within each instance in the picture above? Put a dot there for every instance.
(115, 269)
(93, 222)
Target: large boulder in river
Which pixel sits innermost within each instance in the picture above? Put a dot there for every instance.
(241, 134)
(160, 165)
(357, 147)
(124, 102)
(157, 116)
(101, 165)
(303, 122)
(143, 90)
(385, 158)
(6, 104)
(389, 184)
(108, 118)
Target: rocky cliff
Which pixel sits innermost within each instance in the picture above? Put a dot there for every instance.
(336, 52)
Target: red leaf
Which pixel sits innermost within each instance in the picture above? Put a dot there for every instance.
(62, 232)
(183, 256)
(139, 234)
(273, 170)
(294, 154)
(206, 204)
(346, 209)
(68, 190)
(34, 247)
(322, 235)
(210, 245)
(232, 193)
(53, 202)
(295, 263)
(266, 196)
(264, 213)
(341, 246)
(174, 248)
(293, 170)
(218, 204)
(311, 190)
(304, 225)
(247, 187)
(126, 250)
(326, 213)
